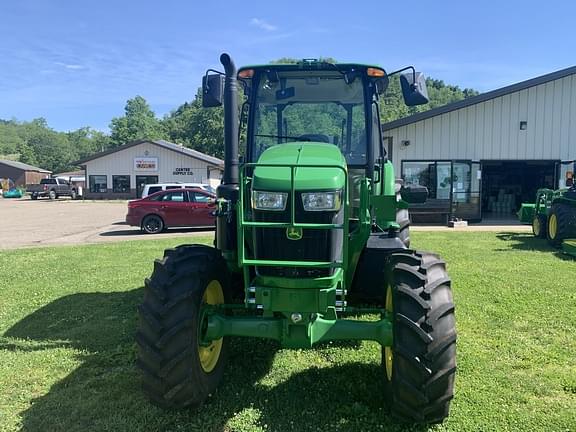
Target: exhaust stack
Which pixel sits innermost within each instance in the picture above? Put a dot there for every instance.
(231, 175)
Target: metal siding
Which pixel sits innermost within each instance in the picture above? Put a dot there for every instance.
(571, 150)
(556, 116)
(540, 119)
(504, 128)
(491, 129)
(565, 116)
(513, 126)
(522, 141)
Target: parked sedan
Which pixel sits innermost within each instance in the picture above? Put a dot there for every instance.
(172, 208)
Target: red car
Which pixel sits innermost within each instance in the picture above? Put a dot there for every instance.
(172, 208)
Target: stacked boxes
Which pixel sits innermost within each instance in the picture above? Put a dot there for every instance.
(503, 203)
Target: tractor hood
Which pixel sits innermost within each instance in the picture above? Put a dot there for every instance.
(308, 153)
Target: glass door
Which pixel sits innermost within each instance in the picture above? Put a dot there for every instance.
(466, 190)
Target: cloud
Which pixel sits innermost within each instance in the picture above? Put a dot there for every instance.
(70, 66)
(264, 25)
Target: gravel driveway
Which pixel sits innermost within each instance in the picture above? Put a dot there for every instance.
(25, 222)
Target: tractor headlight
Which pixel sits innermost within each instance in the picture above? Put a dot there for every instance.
(275, 201)
(322, 201)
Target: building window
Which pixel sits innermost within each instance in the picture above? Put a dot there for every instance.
(121, 183)
(98, 184)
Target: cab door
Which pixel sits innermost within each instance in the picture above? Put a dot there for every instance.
(202, 205)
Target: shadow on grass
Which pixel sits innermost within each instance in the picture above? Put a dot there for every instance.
(103, 393)
(527, 242)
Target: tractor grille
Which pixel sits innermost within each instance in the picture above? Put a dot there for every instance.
(315, 244)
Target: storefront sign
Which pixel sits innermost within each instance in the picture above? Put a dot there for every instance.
(183, 171)
(146, 164)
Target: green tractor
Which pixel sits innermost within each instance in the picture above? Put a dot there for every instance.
(553, 215)
(311, 229)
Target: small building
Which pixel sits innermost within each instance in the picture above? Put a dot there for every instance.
(20, 173)
(123, 172)
(483, 156)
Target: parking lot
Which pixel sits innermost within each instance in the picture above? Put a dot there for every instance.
(25, 223)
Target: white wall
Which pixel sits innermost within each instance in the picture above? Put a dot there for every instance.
(122, 163)
(491, 129)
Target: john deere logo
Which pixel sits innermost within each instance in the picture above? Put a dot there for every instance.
(294, 233)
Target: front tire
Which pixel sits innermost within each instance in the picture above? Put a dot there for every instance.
(539, 226)
(34, 196)
(153, 224)
(419, 368)
(177, 369)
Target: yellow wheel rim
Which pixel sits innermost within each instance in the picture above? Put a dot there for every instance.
(553, 226)
(210, 354)
(388, 353)
(536, 226)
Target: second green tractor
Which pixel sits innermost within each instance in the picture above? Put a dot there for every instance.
(312, 227)
(553, 215)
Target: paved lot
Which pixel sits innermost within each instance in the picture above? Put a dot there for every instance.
(39, 223)
(25, 223)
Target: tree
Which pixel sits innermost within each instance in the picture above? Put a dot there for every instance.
(196, 127)
(139, 122)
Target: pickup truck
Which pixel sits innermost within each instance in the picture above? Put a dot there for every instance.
(51, 188)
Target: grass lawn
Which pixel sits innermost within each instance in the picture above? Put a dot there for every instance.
(68, 317)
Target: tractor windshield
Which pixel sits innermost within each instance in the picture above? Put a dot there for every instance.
(317, 106)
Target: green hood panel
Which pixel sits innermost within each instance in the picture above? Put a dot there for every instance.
(308, 153)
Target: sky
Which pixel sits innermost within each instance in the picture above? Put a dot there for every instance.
(76, 63)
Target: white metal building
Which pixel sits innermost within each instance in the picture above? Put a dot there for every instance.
(483, 156)
(124, 171)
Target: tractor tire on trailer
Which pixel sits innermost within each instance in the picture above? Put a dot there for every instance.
(561, 224)
(539, 226)
(178, 371)
(419, 369)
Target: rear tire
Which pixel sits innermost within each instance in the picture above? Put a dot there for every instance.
(539, 226)
(561, 224)
(402, 218)
(177, 371)
(52, 195)
(73, 194)
(34, 196)
(419, 369)
(153, 224)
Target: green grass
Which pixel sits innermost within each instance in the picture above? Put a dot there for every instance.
(68, 316)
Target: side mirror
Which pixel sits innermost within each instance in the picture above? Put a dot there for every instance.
(212, 90)
(414, 194)
(382, 84)
(414, 90)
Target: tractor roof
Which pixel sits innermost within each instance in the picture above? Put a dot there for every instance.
(307, 65)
